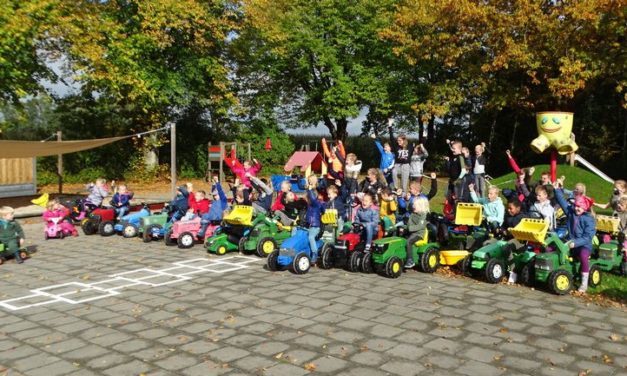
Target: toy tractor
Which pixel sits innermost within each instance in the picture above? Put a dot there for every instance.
(295, 253)
(557, 270)
(389, 254)
(265, 236)
(151, 226)
(129, 224)
(99, 220)
(232, 236)
(611, 253)
(492, 260)
(185, 232)
(5, 254)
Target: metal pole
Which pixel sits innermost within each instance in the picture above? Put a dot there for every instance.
(173, 157)
(60, 165)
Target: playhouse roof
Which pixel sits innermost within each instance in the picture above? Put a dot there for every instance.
(303, 159)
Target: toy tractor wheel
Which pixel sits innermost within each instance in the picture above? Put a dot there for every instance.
(494, 271)
(130, 231)
(301, 264)
(354, 261)
(167, 238)
(241, 244)
(560, 282)
(266, 246)
(23, 255)
(46, 237)
(366, 263)
(221, 250)
(186, 240)
(595, 277)
(527, 274)
(1, 260)
(393, 267)
(149, 231)
(106, 228)
(89, 227)
(465, 265)
(430, 260)
(326, 257)
(273, 261)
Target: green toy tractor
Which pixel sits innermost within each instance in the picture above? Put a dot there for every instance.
(265, 236)
(232, 236)
(611, 253)
(152, 226)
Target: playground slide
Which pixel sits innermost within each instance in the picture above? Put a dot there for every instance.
(580, 159)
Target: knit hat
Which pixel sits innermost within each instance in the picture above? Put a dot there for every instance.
(583, 202)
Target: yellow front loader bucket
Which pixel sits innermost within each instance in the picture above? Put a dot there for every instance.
(469, 214)
(240, 215)
(529, 229)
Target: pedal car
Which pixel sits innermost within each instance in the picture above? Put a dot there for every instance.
(150, 227)
(231, 236)
(99, 220)
(185, 232)
(265, 236)
(611, 253)
(389, 254)
(5, 254)
(492, 260)
(467, 233)
(557, 270)
(129, 224)
(54, 230)
(295, 253)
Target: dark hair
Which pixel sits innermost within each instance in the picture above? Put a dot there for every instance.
(515, 203)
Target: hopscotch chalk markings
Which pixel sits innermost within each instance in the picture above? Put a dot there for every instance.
(78, 293)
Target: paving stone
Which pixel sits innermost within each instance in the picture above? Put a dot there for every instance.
(254, 364)
(228, 354)
(406, 351)
(34, 361)
(85, 352)
(107, 361)
(199, 347)
(60, 367)
(520, 363)
(368, 358)
(285, 369)
(131, 346)
(134, 367)
(206, 368)
(177, 362)
(298, 356)
(482, 354)
(440, 360)
(443, 345)
(402, 368)
(472, 368)
(329, 364)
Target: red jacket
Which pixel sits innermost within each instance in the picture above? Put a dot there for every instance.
(200, 207)
(278, 203)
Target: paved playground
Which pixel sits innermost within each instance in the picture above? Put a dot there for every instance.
(114, 306)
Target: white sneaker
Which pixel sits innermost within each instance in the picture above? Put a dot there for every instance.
(584, 282)
(512, 278)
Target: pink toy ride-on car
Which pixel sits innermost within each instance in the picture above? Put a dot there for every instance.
(184, 233)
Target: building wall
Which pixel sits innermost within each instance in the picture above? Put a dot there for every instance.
(18, 177)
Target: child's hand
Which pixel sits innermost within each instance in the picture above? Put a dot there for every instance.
(433, 176)
(571, 244)
(215, 179)
(338, 182)
(446, 158)
(509, 153)
(399, 192)
(448, 142)
(248, 174)
(373, 136)
(471, 187)
(390, 122)
(236, 181)
(483, 144)
(22, 241)
(531, 170)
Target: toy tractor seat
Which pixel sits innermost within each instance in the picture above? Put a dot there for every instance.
(424, 240)
(469, 214)
(531, 230)
(240, 215)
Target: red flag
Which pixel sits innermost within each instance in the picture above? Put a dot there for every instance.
(268, 145)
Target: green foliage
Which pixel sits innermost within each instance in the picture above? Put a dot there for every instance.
(282, 146)
(137, 171)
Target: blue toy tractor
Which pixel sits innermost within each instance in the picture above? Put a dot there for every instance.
(295, 253)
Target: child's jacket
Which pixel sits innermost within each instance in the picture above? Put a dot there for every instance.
(217, 207)
(387, 158)
(366, 215)
(314, 210)
(417, 224)
(119, 200)
(96, 194)
(494, 211)
(388, 209)
(581, 228)
(10, 231)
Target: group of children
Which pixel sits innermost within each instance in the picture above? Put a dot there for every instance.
(394, 190)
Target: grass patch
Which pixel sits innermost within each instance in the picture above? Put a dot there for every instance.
(613, 287)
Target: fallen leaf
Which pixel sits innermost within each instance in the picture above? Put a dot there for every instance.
(310, 367)
(278, 356)
(615, 337)
(503, 330)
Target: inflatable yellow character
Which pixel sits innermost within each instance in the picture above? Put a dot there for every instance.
(554, 130)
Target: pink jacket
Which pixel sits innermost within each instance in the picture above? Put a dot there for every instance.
(241, 173)
(62, 213)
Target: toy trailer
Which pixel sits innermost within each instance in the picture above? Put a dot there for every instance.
(611, 253)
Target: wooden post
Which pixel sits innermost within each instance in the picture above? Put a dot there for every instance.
(60, 165)
(173, 157)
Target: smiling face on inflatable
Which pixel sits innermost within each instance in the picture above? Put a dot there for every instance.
(554, 129)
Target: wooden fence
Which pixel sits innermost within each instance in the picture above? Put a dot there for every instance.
(18, 177)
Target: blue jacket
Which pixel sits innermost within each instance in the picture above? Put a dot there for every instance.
(365, 216)
(581, 228)
(387, 158)
(180, 202)
(217, 206)
(120, 200)
(314, 210)
(339, 203)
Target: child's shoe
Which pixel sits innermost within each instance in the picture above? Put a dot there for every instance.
(18, 259)
(409, 264)
(74, 233)
(512, 278)
(81, 216)
(584, 282)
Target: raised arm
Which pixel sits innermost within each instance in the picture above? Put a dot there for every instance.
(434, 186)
(512, 162)
(325, 148)
(559, 196)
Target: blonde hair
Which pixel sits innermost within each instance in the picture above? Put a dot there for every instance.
(622, 200)
(403, 137)
(101, 181)
(6, 210)
(51, 204)
(351, 157)
(480, 147)
(415, 184)
(621, 183)
(332, 189)
(494, 188)
(421, 205)
(583, 188)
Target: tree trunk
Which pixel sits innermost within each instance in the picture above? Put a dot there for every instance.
(341, 131)
(492, 133)
(513, 141)
(329, 123)
(431, 130)
(421, 131)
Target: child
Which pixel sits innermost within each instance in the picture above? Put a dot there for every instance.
(466, 179)
(581, 230)
(493, 208)
(216, 209)
(241, 194)
(97, 193)
(402, 158)
(262, 200)
(367, 216)
(293, 207)
(406, 203)
(416, 227)
(620, 188)
(372, 184)
(200, 204)
(121, 201)
(386, 165)
(621, 213)
(315, 209)
(454, 166)
(543, 206)
(334, 158)
(247, 169)
(417, 163)
(352, 168)
(11, 233)
(54, 209)
(479, 169)
(180, 204)
(388, 205)
(337, 200)
(279, 202)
